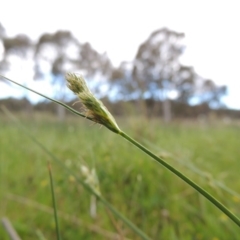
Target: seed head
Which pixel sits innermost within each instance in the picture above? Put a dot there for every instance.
(91, 178)
(93, 108)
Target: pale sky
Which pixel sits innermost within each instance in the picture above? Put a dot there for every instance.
(119, 27)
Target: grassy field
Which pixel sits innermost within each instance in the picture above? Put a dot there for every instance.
(158, 202)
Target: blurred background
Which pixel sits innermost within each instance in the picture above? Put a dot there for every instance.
(170, 59)
(151, 63)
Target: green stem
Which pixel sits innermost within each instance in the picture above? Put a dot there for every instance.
(54, 203)
(51, 99)
(207, 195)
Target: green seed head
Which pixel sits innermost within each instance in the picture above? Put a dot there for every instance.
(93, 108)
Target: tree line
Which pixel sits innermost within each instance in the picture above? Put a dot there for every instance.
(155, 80)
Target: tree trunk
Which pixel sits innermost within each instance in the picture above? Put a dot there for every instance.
(167, 115)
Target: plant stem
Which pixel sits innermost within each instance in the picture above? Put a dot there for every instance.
(51, 99)
(54, 203)
(207, 195)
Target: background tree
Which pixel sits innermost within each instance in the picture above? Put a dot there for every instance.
(17, 59)
(2, 31)
(16, 49)
(185, 83)
(156, 65)
(121, 82)
(151, 80)
(212, 94)
(60, 52)
(54, 53)
(2, 36)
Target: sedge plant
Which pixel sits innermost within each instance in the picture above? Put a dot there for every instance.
(94, 110)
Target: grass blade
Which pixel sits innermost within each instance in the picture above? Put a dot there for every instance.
(203, 192)
(54, 203)
(51, 99)
(10, 230)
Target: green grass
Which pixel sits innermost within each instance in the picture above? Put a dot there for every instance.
(158, 202)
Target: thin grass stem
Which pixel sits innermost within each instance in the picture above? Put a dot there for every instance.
(51, 99)
(54, 203)
(207, 195)
(200, 172)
